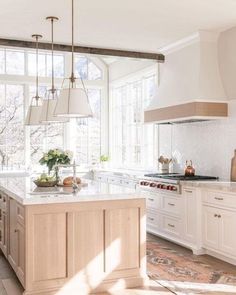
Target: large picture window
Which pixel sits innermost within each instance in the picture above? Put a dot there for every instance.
(132, 141)
(21, 145)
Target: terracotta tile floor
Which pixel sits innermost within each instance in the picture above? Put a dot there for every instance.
(161, 285)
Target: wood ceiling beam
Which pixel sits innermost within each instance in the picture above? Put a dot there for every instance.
(84, 49)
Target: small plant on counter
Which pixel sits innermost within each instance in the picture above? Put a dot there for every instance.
(55, 157)
(104, 158)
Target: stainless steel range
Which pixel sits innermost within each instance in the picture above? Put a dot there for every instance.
(169, 182)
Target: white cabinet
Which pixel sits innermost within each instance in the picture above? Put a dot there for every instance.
(210, 227)
(191, 214)
(218, 225)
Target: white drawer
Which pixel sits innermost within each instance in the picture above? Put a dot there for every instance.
(114, 180)
(153, 220)
(171, 205)
(220, 199)
(101, 178)
(153, 201)
(171, 225)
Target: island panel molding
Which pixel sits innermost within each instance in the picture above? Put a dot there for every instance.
(82, 247)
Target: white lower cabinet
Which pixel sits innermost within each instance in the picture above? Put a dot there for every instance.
(218, 230)
(175, 217)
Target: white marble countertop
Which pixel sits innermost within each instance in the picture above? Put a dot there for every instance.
(225, 186)
(23, 190)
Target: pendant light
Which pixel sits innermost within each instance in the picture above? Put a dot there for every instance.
(34, 110)
(49, 104)
(73, 102)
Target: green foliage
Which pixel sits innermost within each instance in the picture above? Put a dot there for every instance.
(55, 157)
(104, 158)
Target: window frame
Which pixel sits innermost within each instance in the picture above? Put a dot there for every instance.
(122, 82)
(28, 80)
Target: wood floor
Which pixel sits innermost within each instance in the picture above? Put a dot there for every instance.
(9, 282)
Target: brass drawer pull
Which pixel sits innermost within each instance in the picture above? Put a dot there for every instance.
(150, 199)
(16, 230)
(150, 218)
(219, 216)
(215, 215)
(171, 225)
(188, 191)
(171, 204)
(219, 199)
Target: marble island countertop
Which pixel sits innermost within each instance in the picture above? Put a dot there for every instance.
(224, 186)
(23, 190)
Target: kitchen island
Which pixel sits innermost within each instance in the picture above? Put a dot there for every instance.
(63, 243)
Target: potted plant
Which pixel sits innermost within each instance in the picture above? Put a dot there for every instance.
(104, 160)
(55, 157)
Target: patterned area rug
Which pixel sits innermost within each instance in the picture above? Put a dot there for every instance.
(167, 262)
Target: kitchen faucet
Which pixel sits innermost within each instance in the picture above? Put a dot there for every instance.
(74, 182)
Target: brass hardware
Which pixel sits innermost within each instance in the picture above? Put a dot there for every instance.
(171, 225)
(219, 199)
(171, 204)
(188, 191)
(150, 218)
(150, 199)
(16, 230)
(219, 216)
(215, 215)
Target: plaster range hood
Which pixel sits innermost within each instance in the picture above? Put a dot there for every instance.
(190, 87)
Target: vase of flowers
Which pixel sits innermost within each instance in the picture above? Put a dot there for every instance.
(55, 157)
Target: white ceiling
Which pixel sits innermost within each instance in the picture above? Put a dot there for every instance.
(123, 24)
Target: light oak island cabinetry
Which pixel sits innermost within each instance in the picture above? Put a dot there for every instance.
(78, 247)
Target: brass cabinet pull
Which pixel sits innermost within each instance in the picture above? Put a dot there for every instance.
(188, 191)
(150, 218)
(150, 199)
(219, 216)
(219, 199)
(16, 230)
(171, 204)
(215, 215)
(171, 225)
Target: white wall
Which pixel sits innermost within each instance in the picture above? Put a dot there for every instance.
(210, 145)
(124, 67)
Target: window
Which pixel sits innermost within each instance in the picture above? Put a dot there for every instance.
(20, 145)
(86, 133)
(132, 141)
(11, 124)
(43, 138)
(87, 69)
(45, 65)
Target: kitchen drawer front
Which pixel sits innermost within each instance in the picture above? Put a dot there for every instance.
(171, 205)
(218, 198)
(20, 211)
(114, 180)
(171, 225)
(3, 201)
(153, 201)
(101, 178)
(128, 183)
(153, 220)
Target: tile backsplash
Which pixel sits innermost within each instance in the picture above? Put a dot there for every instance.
(210, 145)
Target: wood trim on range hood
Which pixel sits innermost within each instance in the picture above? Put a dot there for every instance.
(187, 112)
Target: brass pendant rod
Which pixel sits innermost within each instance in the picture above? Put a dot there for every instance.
(52, 35)
(36, 36)
(72, 44)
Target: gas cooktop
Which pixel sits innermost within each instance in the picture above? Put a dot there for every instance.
(176, 176)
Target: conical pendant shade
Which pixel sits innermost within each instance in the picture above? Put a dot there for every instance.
(47, 112)
(33, 115)
(73, 102)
